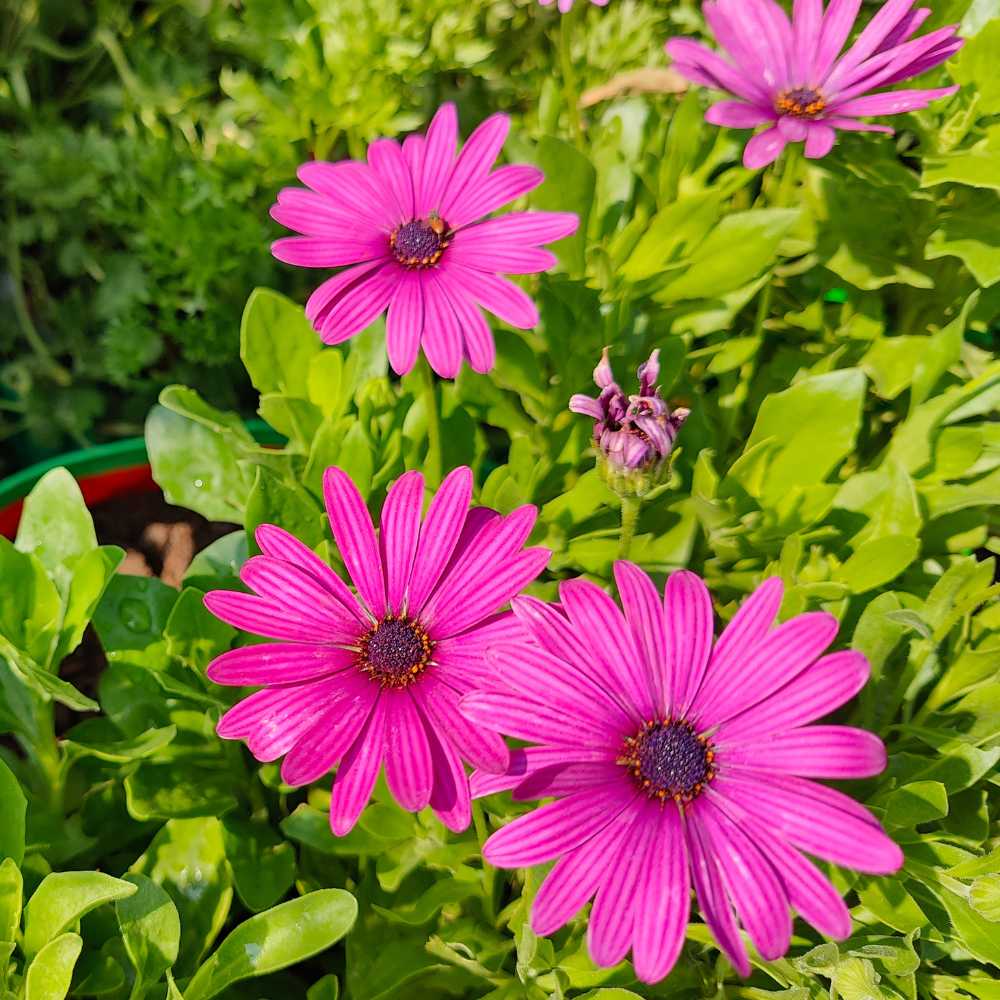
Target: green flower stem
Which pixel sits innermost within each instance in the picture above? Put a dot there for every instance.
(489, 872)
(630, 517)
(433, 461)
(571, 93)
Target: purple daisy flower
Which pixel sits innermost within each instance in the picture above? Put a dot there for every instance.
(376, 676)
(790, 75)
(409, 228)
(678, 761)
(631, 432)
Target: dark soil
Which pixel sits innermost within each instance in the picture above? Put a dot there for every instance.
(159, 540)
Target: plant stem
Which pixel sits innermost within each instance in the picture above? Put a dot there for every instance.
(570, 89)
(489, 872)
(432, 463)
(630, 517)
(789, 174)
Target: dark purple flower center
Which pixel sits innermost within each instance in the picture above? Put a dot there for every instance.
(669, 759)
(419, 243)
(800, 102)
(395, 652)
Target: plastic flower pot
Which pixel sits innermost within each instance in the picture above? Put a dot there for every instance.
(105, 471)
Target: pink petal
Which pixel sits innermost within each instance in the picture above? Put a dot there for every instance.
(462, 658)
(817, 691)
(450, 797)
(837, 24)
(819, 140)
(300, 593)
(763, 149)
(480, 745)
(352, 189)
(277, 663)
(875, 32)
(738, 114)
(895, 102)
(751, 623)
(586, 405)
(537, 721)
(807, 22)
(442, 336)
(720, 74)
(331, 734)
(663, 901)
(360, 305)
(399, 535)
(560, 826)
(521, 229)
(716, 910)
(277, 542)
(496, 544)
(748, 48)
(595, 615)
(558, 780)
(478, 338)
(501, 258)
(439, 153)
(792, 129)
(751, 882)
(813, 818)
(440, 531)
(644, 614)
(577, 875)
(314, 214)
(281, 712)
(688, 622)
(771, 663)
(263, 617)
(496, 295)
(812, 752)
(358, 771)
(331, 291)
(355, 537)
(532, 671)
(386, 160)
(525, 762)
(612, 917)
(404, 326)
(474, 163)
(314, 251)
(851, 125)
(503, 185)
(409, 770)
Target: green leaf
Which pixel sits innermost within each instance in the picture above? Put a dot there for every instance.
(277, 343)
(970, 231)
(569, 187)
(12, 809)
(288, 505)
(30, 610)
(976, 67)
(915, 803)
(91, 574)
(290, 932)
(97, 738)
(151, 929)
(51, 971)
(813, 426)
(179, 789)
(133, 612)
(263, 863)
(62, 899)
(187, 859)
(984, 897)
(218, 564)
(877, 562)
(196, 465)
(55, 523)
(977, 167)
(11, 891)
(193, 634)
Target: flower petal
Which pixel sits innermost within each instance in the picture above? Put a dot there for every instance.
(439, 155)
(503, 185)
(738, 114)
(277, 663)
(763, 148)
(315, 251)
(442, 336)
(688, 622)
(352, 189)
(355, 536)
(399, 535)
(474, 162)
(521, 229)
(260, 616)
(358, 771)
(450, 798)
(496, 295)
(385, 157)
(819, 140)
(895, 102)
(837, 24)
(404, 325)
(360, 305)
(812, 752)
(409, 770)
(331, 291)
(500, 258)
(478, 339)
(644, 614)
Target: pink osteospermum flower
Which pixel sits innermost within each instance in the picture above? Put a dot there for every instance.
(376, 676)
(676, 760)
(565, 6)
(409, 228)
(790, 75)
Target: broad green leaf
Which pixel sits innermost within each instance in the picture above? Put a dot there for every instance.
(877, 562)
(150, 928)
(288, 505)
(133, 612)
(569, 187)
(179, 789)
(51, 970)
(62, 899)
(196, 465)
(977, 167)
(218, 564)
(188, 860)
(11, 891)
(12, 809)
(98, 738)
(55, 523)
(984, 897)
(193, 634)
(263, 863)
(277, 343)
(290, 932)
(30, 610)
(91, 574)
(327, 384)
(970, 231)
(976, 67)
(915, 803)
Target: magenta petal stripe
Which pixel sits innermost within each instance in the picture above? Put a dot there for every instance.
(797, 73)
(411, 228)
(358, 771)
(277, 663)
(409, 769)
(399, 535)
(707, 789)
